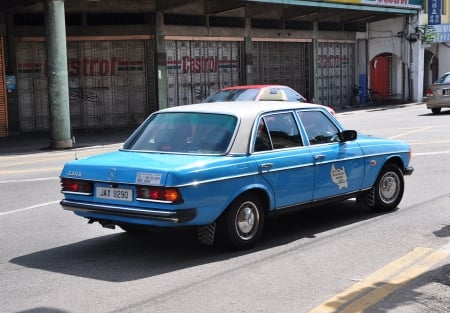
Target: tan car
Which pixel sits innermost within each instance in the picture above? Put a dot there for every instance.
(438, 94)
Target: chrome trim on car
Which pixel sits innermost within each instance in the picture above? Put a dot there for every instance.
(178, 216)
(77, 193)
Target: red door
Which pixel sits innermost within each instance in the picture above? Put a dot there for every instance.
(3, 104)
(379, 74)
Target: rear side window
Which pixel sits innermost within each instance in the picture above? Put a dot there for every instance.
(277, 131)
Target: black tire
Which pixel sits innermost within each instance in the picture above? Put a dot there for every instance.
(241, 224)
(377, 98)
(388, 188)
(436, 110)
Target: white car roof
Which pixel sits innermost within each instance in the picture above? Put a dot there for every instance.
(241, 108)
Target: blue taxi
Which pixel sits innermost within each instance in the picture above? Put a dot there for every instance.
(225, 167)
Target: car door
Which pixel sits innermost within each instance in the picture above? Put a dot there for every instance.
(339, 166)
(283, 160)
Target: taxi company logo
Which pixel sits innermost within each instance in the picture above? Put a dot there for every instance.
(112, 173)
(339, 177)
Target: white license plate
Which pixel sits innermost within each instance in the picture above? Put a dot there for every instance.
(114, 193)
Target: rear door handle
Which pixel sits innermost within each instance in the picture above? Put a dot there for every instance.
(265, 165)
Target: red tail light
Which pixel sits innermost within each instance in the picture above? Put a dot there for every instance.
(429, 92)
(158, 194)
(76, 186)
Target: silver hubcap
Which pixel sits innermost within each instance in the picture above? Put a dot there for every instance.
(247, 220)
(389, 187)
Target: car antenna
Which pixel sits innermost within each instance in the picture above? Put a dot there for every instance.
(75, 150)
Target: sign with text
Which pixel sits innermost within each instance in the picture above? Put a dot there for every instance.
(443, 31)
(434, 12)
(416, 4)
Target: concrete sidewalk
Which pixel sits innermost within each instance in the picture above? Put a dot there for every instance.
(35, 142)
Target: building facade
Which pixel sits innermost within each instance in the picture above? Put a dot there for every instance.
(437, 49)
(126, 59)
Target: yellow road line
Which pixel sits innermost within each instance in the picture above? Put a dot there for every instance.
(383, 282)
(411, 132)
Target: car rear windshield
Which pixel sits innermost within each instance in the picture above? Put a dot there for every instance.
(233, 95)
(185, 132)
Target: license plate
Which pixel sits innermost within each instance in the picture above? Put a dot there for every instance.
(114, 193)
(446, 92)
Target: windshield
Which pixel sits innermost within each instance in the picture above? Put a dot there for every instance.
(233, 95)
(184, 132)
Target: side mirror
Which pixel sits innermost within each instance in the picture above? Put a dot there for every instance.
(349, 135)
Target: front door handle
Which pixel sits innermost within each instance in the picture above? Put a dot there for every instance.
(319, 157)
(265, 165)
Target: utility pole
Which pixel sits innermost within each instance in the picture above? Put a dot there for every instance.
(58, 81)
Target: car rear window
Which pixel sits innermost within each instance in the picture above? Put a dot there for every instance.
(185, 132)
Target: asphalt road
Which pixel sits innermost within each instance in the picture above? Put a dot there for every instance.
(335, 258)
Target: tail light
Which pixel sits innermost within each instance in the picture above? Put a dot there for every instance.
(148, 193)
(429, 92)
(76, 186)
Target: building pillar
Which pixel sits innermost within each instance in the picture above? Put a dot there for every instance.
(58, 81)
(161, 61)
(248, 53)
(315, 67)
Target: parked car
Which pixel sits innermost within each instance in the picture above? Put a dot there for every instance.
(225, 167)
(259, 93)
(438, 94)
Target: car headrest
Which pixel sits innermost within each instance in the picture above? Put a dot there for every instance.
(273, 94)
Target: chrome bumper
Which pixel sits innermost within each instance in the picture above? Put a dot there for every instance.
(179, 216)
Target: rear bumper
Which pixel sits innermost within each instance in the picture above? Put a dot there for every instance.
(179, 216)
(437, 103)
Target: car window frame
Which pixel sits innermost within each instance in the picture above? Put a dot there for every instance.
(268, 133)
(319, 137)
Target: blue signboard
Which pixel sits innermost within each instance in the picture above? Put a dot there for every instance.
(443, 31)
(434, 12)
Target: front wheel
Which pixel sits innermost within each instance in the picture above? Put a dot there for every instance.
(388, 189)
(241, 224)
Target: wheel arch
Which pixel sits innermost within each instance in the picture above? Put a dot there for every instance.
(262, 193)
(396, 160)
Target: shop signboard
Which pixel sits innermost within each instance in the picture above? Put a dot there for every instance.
(434, 12)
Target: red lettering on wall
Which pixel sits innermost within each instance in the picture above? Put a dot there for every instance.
(199, 64)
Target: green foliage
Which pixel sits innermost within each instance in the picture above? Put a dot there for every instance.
(427, 33)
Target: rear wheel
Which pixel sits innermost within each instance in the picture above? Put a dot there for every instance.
(436, 110)
(388, 189)
(241, 224)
